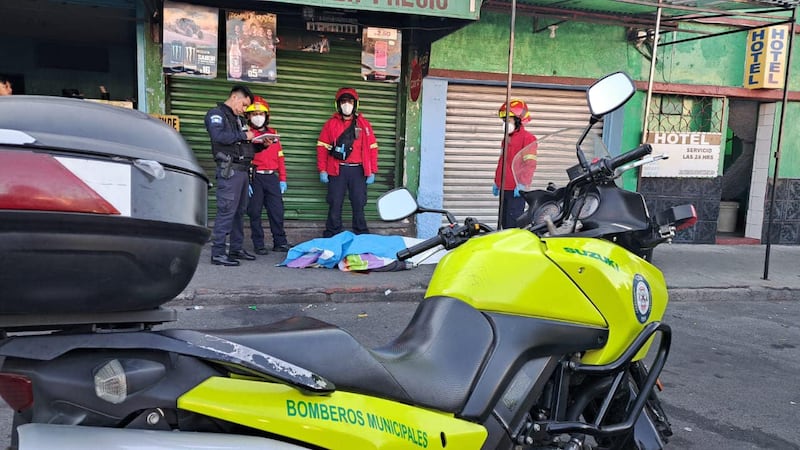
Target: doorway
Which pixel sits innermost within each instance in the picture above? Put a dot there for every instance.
(737, 167)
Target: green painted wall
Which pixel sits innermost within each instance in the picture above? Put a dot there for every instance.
(632, 136)
(581, 49)
(790, 155)
(155, 86)
(483, 47)
(588, 50)
(408, 168)
(148, 60)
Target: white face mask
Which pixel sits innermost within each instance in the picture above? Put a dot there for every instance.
(509, 127)
(258, 121)
(347, 108)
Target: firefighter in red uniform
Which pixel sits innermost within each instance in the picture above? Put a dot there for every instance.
(268, 180)
(518, 138)
(347, 160)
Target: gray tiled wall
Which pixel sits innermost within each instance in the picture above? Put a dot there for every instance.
(785, 227)
(703, 193)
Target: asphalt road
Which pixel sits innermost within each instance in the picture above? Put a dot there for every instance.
(730, 383)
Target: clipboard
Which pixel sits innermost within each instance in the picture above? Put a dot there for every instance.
(262, 138)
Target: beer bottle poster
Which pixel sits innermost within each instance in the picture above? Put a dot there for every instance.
(380, 54)
(190, 39)
(251, 41)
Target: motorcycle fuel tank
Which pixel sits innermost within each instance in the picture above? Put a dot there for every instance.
(509, 272)
(102, 208)
(628, 291)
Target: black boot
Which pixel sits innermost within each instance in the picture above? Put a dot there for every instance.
(223, 260)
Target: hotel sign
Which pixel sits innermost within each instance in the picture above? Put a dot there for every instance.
(690, 155)
(765, 62)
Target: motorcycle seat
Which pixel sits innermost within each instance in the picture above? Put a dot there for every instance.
(433, 363)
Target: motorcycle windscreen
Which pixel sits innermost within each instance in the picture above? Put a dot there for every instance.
(548, 159)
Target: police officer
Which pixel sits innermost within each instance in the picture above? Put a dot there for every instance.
(268, 180)
(347, 160)
(514, 118)
(232, 152)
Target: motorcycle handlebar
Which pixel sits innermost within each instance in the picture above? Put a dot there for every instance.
(404, 254)
(637, 153)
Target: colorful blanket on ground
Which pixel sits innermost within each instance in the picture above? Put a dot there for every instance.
(348, 251)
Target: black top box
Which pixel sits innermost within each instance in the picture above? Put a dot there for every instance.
(102, 209)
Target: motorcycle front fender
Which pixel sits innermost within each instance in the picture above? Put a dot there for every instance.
(645, 433)
(39, 436)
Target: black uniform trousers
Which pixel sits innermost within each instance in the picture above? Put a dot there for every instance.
(350, 180)
(231, 204)
(267, 194)
(513, 207)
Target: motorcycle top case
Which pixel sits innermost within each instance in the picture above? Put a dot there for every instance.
(102, 208)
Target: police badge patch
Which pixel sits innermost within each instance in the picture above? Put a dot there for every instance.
(215, 119)
(642, 298)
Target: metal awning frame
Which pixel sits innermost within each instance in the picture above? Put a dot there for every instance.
(699, 15)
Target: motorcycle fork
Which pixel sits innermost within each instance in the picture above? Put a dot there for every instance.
(566, 407)
(639, 374)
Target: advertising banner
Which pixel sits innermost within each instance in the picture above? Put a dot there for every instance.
(380, 54)
(251, 40)
(190, 39)
(691, 154)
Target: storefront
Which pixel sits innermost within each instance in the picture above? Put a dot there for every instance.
(470, 133)
(70, 48)
(697, 86)
(319, 48)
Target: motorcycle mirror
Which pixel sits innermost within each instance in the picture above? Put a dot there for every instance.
(609, 93)
(396, 204)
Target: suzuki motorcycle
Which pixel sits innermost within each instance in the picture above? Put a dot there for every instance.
(528, 338)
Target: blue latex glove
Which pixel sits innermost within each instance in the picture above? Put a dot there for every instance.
(283, 186)
(371, 179)
(516, 190)
(495, 190)
(323, 177)
(249, 190)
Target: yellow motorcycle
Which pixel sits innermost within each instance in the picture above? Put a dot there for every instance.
(528, 338)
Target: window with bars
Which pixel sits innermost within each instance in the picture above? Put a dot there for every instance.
(686, 113)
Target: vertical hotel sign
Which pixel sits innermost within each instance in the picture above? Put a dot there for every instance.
(765, 62)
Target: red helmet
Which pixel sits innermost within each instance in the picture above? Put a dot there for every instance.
(343, 92)
(259, 104)
(518, 109)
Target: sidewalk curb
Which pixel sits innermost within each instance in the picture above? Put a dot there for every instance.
(739, 293)
(252, 296)
(257, 295)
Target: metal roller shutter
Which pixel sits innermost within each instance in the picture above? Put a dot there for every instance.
(300, 103)
(473, 137)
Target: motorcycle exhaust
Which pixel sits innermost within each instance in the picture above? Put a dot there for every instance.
(39, 436)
